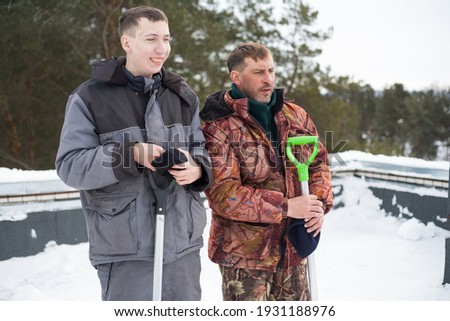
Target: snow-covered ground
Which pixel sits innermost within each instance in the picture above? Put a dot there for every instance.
(364, 255)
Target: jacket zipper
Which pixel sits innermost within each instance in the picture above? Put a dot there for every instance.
(279, 160)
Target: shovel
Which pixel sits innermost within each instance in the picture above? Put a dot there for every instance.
(303, 177)
(161, 196)
(162, 164)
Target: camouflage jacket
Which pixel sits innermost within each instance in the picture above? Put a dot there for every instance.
(252, 181)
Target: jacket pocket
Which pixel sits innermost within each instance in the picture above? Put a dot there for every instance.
(112, 224)
(248, 240)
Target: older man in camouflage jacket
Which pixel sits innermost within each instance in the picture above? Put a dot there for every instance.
(255, 190)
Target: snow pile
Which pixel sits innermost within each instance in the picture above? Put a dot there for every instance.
(60, 272)
(8, 175)
(366, 254)
(356, 194)
(415, 230)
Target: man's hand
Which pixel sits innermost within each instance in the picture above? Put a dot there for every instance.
(188, 172)
(309, 208)
(145, 153)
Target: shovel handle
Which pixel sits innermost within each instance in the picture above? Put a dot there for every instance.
(303, 178)
(302, 140)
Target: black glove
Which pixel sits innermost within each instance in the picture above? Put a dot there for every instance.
(170, 157)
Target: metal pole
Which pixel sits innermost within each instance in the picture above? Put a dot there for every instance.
(158, 257)
(161, 196)
(311, 263)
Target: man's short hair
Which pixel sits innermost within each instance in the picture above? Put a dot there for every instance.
(130, 18)
(236, 59)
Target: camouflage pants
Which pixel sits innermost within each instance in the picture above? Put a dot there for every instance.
(289, 284)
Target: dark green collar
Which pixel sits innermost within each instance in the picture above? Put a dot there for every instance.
(260, 111)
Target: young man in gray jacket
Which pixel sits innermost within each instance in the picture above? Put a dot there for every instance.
(118, 131)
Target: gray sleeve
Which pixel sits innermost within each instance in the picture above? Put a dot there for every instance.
(199, 153)
(82, 162)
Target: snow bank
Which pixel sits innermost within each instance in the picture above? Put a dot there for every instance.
(8, 175)
(352, 156)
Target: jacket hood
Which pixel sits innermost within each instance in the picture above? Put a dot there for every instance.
(110, 72)
(216, 107)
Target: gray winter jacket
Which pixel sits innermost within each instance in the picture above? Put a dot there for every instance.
(104, 118)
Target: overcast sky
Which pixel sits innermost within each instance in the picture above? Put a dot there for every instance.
(382, 42)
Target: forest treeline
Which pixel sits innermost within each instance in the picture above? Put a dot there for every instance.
(47, 47)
